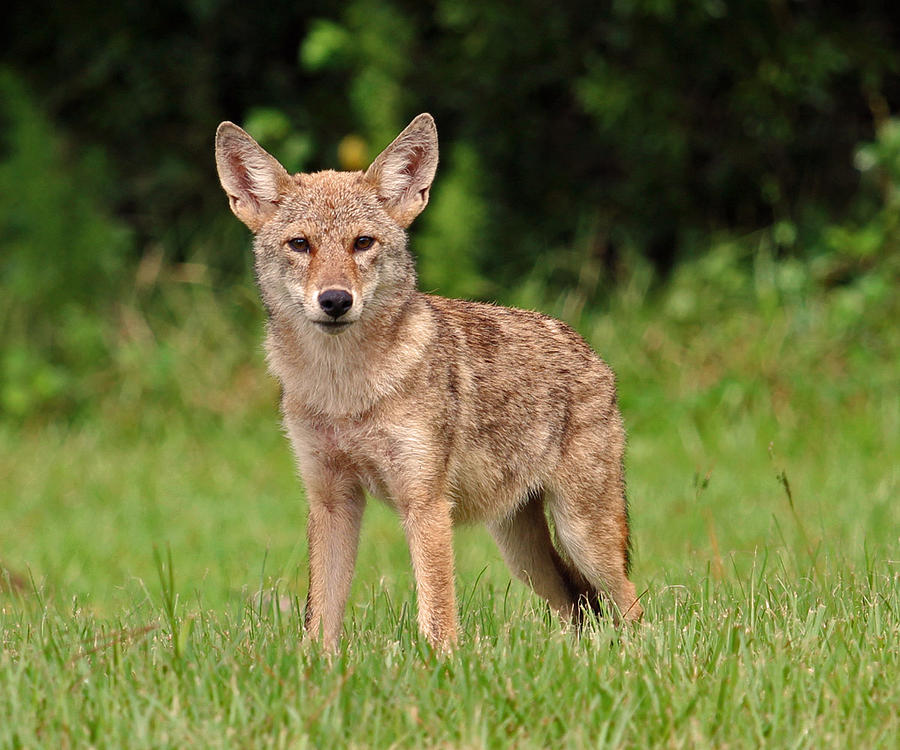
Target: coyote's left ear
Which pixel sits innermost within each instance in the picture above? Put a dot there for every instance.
(403, 172)
(253, 180)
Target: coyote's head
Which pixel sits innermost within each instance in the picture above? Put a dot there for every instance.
(329, 246)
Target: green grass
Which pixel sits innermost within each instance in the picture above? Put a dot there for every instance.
(156, 561)
(769, 659)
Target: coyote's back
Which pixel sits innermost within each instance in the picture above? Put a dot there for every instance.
(447, 410)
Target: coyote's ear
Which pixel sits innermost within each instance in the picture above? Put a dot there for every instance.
(253, 180)
(403, 172)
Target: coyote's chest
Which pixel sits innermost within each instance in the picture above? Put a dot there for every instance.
(364, 449)
(383, 458)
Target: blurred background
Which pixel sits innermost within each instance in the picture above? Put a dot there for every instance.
(707, 190)
(578, 142)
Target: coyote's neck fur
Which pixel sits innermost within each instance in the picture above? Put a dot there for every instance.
(347, 375)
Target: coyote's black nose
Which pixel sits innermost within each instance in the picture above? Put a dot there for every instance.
(335, 302)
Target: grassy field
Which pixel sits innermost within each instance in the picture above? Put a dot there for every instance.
(154, 556)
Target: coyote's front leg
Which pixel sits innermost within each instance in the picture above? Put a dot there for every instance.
(335, 517)
(429, 532)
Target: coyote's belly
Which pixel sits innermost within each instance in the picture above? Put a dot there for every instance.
(483, 476)
(480, 488)
(490, 476)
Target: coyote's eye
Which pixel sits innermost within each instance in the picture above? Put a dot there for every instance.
(299, 244)
(363, 243)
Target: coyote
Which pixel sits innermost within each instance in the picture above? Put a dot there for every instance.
(449, 411)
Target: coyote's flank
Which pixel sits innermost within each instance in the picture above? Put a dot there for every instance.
(449, 411)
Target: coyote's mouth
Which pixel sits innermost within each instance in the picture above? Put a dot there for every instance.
(333, 326)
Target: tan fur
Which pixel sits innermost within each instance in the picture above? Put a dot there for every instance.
(450, 411)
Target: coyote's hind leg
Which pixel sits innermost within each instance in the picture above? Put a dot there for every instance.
(524, 540)
(591, 522)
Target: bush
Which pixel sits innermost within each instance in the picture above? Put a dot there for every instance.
(62, 259)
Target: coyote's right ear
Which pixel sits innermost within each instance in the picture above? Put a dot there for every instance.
(253, 179)
(403, 172)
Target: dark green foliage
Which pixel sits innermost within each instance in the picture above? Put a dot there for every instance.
(62, 257)
(580, 142)
(652, 121)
